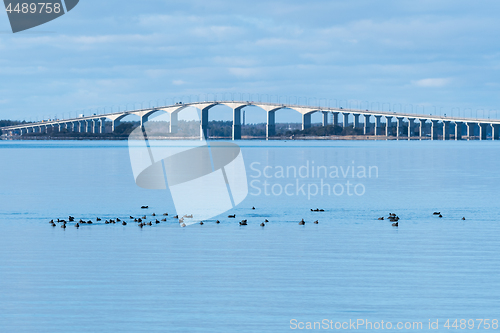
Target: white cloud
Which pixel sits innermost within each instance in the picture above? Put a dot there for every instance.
(432, 83)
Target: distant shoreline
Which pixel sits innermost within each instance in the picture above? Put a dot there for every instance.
(277, 138)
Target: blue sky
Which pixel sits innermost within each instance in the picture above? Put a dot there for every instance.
(443, 56)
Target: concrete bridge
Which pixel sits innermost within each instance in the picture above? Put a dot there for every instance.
(438, 126)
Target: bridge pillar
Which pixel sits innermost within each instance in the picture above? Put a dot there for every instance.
(421, 128)
(356, 120)
(377, 125)
(446, 130)
(434, 133)
(306, 121)
(399, 126)
(22, 131)
(387, 124)
(102, 127)
(114, 124)
(335, 118)
(470, 130)
(366, 127)
(95, 126)
(174, 122)
(495, 132)
(325, 118)
(346, 119)
(483, 129)
(88, 126)
(271, 124)
(29, 130)
(237, 123)
(203, 124)
(410, 125)
(458, 130)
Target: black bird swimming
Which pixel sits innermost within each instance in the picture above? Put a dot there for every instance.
(395, 224)
(124, 223)
(253, 207)
(262, 224)
(144, 207)
(316, 222)
(98, 219)
(217, 221)
(440, 215)
(266, 220)
(232, 216)
(201, 223)
(244, 222)
(302, 222)
(463, 218)
(164, 220)
(77, 225)
(436, 213)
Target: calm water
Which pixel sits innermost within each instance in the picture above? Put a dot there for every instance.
(231, 278)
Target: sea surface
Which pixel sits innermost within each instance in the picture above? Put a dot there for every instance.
(231, 278)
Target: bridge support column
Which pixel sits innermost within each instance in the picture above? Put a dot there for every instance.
(483, 129)
(95, 127)
(102, 127)
(446, 130)
(410, 126)
(366, 127)
(458, 130)
(203, 124)
(325, 118)
(88, 126)
(29, 130)
(335, 118)
(114, 124)
(421, 128)
(387, 124)
(495, 132)
(356, 120)
(378, 125)
(174, 122)
(434, 133)
(271, 124)
(399, 126)
(306, 121)
(237, 124)
(346, 119)
(22, 131)
(470, 130)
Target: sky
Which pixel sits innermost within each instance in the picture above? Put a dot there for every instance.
(421, 56)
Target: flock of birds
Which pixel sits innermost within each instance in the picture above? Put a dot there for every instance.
(142, 220)
(394, 218)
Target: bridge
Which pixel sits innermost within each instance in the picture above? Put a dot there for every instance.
(440, 126)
